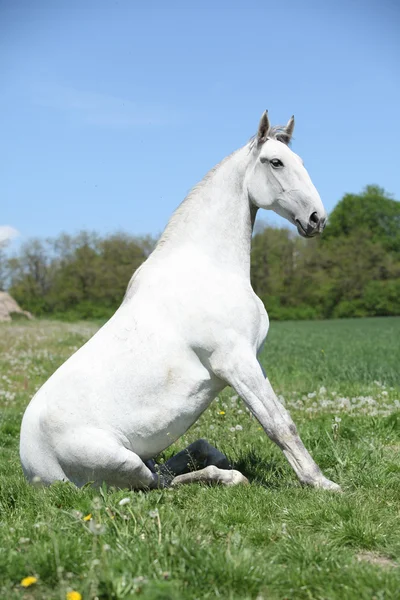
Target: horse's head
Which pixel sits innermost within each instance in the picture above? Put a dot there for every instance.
(277, 180)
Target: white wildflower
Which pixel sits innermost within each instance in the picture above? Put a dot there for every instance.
(124, 501)
(96, 528)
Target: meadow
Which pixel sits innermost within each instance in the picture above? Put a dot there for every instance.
(272, 539)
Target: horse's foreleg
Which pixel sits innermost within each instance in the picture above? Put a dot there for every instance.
(241, 370)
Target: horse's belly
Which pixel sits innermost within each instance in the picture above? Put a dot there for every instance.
(156, 427)
(162, 410)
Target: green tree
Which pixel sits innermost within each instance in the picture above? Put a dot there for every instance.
(31, 274)
(82, 276)
(373, 211)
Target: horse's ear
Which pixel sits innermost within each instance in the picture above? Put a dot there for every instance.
(286, 134)
(263, 128)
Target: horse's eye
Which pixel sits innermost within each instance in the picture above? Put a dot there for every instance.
(276, 163)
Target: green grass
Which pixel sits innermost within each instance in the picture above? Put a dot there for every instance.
(272, 539)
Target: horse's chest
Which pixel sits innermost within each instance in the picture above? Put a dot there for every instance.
(214, 312)
(245, 314)
(262, 324)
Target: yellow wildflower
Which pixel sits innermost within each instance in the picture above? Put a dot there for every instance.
(28, 581)
(88, 517)
(73, 595)
(221, 412)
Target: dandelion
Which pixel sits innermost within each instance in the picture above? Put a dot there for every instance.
(153, 514)
(96, 503)
(73, 595)
(221, 412)
(138, 582)
(88, 517)
(96, 528)
(335, 427)
(232, 429)
(238, 428)
(28, 581)
(124, 501)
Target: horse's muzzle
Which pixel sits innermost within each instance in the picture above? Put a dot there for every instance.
(314, 226)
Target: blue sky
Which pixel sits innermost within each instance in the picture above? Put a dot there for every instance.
(110, 112)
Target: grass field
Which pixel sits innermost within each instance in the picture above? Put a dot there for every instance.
(272, 539)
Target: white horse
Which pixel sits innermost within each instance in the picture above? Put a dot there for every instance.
(190, 324)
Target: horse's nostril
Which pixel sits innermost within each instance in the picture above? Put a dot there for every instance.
(314, 225)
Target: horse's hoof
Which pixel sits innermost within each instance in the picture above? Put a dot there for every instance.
(235, 478)
(326, 484)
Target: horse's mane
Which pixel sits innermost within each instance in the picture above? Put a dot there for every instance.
(276, 132)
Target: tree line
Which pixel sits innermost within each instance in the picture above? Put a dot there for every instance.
(352, 270)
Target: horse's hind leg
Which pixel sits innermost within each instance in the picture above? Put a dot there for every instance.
(211, 475)
(93, 455)
(198, 455)
(206, 463)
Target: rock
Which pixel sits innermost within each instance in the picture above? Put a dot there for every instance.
(9, 307)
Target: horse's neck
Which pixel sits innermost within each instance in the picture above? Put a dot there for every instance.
(216, 217)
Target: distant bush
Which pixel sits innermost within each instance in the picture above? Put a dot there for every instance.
(277, 312)
(382, 298)
(18, 316)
